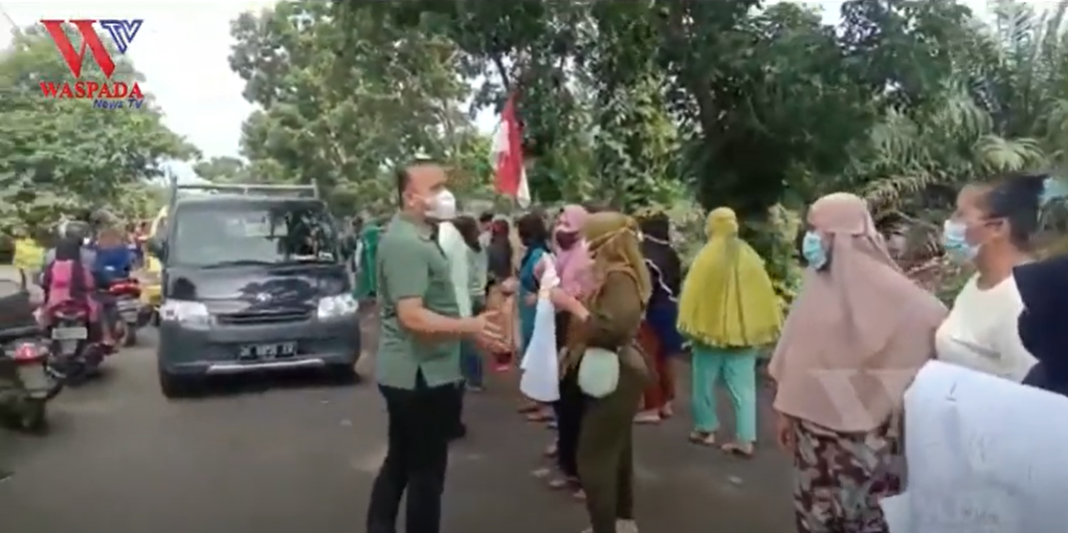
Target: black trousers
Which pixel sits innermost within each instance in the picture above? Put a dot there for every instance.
(420, 424)
(568, 410)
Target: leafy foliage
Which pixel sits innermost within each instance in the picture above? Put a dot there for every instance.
(666, 104)
(63, 156)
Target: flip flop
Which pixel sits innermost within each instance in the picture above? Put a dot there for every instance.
(703, 438)
(542, 473)
(552, 451)
(648, 418)
(539, 416)
(738, 450)
(559, 483)
(530, 408)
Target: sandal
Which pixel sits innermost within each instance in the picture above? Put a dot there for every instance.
(737, 449)
(539, 416)
(528, 408)
(542, 473)
(704, 438)
(552, 451)
(647, 417)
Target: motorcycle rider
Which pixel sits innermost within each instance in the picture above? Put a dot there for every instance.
(68, 275)
(75, 230)
(114, 262)
(114, 259)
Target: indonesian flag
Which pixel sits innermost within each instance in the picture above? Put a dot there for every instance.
(510, 177)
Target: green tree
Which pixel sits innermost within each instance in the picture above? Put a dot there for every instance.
(58, 156)
(223, 169)
(344, 119)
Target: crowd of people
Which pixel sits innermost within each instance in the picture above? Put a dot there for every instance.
(841, 360)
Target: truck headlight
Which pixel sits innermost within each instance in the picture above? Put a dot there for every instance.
(337, 306)
(185, 312)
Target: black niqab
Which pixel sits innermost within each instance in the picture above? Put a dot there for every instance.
(1043, 287)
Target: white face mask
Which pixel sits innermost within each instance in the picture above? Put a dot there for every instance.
(441, 206)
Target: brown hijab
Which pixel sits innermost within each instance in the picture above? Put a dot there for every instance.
(859, 330)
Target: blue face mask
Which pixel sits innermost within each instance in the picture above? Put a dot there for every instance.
(953, 238)
(812, 250)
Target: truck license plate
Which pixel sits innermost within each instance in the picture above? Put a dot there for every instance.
(267, 351)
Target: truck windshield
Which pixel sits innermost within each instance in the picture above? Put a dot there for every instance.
(248, 234)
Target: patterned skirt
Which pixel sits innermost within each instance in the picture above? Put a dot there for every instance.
(839, 479)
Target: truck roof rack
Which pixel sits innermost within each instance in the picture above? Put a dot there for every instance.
(299, 191)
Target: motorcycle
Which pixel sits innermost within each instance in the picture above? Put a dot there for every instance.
(125, 295)
(72, 356)
(27, 384)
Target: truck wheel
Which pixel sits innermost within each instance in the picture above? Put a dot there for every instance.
(344, 374)
(174, 386)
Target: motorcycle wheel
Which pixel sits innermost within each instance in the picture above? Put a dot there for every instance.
(131, 336)
(34, 418)
(28, 417)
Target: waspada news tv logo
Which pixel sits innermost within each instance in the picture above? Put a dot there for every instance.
(108, 93)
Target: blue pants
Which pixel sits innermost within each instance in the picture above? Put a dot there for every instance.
(737, 366)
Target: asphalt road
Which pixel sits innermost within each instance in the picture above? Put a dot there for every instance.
(298, 454)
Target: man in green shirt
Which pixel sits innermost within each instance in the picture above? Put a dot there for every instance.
(418, 358)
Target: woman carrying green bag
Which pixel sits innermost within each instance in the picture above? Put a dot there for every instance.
(612, 371)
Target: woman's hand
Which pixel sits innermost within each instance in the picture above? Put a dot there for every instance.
(509, 286)
(564, 301)
(784, 434)
(531, 299)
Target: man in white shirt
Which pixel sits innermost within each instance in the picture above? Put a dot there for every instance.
(454, 248)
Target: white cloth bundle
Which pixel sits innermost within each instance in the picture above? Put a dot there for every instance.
(541, 380)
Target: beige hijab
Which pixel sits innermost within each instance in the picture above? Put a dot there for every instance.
(859, 330)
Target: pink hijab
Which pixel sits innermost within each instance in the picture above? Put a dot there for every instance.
(859, 330)
(573, 266)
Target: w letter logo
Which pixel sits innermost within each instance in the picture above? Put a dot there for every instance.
(122, 31)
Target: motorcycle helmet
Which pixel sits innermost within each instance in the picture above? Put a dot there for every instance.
(73, 229)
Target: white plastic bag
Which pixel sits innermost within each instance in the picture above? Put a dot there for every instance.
(598, 374)
(541, 380)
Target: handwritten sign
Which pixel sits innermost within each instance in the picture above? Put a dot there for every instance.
(984, 454)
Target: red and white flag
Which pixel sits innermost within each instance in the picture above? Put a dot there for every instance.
(510, 176)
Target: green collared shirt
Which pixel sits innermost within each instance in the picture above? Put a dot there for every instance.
(411, 265)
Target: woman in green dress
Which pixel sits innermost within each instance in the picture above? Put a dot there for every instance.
(366, 255)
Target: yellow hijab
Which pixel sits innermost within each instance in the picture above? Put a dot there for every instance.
(727, 299)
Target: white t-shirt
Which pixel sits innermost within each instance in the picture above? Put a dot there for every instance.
(455, 249)
(980, 331)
